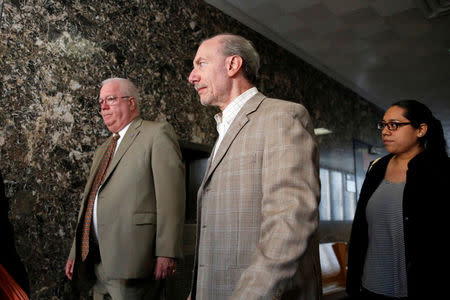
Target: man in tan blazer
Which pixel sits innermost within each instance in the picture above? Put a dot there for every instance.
(138, 213)
(258, 202)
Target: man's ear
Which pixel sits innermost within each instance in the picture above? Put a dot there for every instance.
(133, 104)
(233, 64)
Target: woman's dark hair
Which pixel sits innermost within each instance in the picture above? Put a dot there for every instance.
(418, 113)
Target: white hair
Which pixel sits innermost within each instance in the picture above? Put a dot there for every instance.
(127, 85)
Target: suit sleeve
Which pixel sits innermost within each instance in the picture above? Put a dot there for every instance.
(291, 195)
(169, 181)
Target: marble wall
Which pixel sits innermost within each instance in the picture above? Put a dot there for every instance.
(54, 54)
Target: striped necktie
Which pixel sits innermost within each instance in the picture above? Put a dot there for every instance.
(98, 181)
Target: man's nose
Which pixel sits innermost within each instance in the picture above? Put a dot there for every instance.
(104, 105)
(193, 77)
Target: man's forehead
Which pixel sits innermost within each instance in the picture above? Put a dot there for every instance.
(207, 49)
(111, 87)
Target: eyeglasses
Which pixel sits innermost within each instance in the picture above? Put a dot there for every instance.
(392, 126)
(111, 100)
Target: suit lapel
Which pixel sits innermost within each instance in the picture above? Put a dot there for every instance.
(130, 136)
(238, 123)
(96, 164)
(208, 166)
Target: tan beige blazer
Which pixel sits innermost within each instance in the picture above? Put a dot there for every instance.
(141, 204)
(258, 208)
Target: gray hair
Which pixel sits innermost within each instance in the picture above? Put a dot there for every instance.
(128, 87)
(238, 45)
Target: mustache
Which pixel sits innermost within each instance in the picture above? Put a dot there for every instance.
(199, 86)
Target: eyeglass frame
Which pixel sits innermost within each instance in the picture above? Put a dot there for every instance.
(112, 100)
(391, 126)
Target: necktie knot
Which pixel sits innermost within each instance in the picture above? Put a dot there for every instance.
(116, 137)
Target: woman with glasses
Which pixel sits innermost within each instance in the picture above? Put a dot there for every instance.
(396, 248)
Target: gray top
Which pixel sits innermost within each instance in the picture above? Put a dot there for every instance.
(385, 268)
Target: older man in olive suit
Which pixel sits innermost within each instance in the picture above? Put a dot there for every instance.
(129, 231)
(258, 202)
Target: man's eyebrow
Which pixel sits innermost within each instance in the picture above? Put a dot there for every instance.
(198, 59)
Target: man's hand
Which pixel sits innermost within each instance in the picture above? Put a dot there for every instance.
(69, 268)
(165, 267)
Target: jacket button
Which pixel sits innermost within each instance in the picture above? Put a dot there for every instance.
(406, 218)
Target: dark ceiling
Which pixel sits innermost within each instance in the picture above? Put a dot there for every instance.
(385, 50)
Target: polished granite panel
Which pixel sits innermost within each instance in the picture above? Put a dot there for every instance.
(53, 55)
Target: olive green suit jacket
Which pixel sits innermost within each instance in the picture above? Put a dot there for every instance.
(140, 209)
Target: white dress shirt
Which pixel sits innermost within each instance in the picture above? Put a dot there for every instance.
(94, 216)
(226, 117)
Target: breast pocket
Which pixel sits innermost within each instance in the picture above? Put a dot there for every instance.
(241, 162)
(144, 219)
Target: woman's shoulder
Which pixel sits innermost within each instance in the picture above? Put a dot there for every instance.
(444, 164)
(380, 162)
(430, 161)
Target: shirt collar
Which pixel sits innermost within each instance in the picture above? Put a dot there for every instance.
(122, 133)
(229, 113)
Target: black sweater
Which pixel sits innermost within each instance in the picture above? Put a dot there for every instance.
(425, 201)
